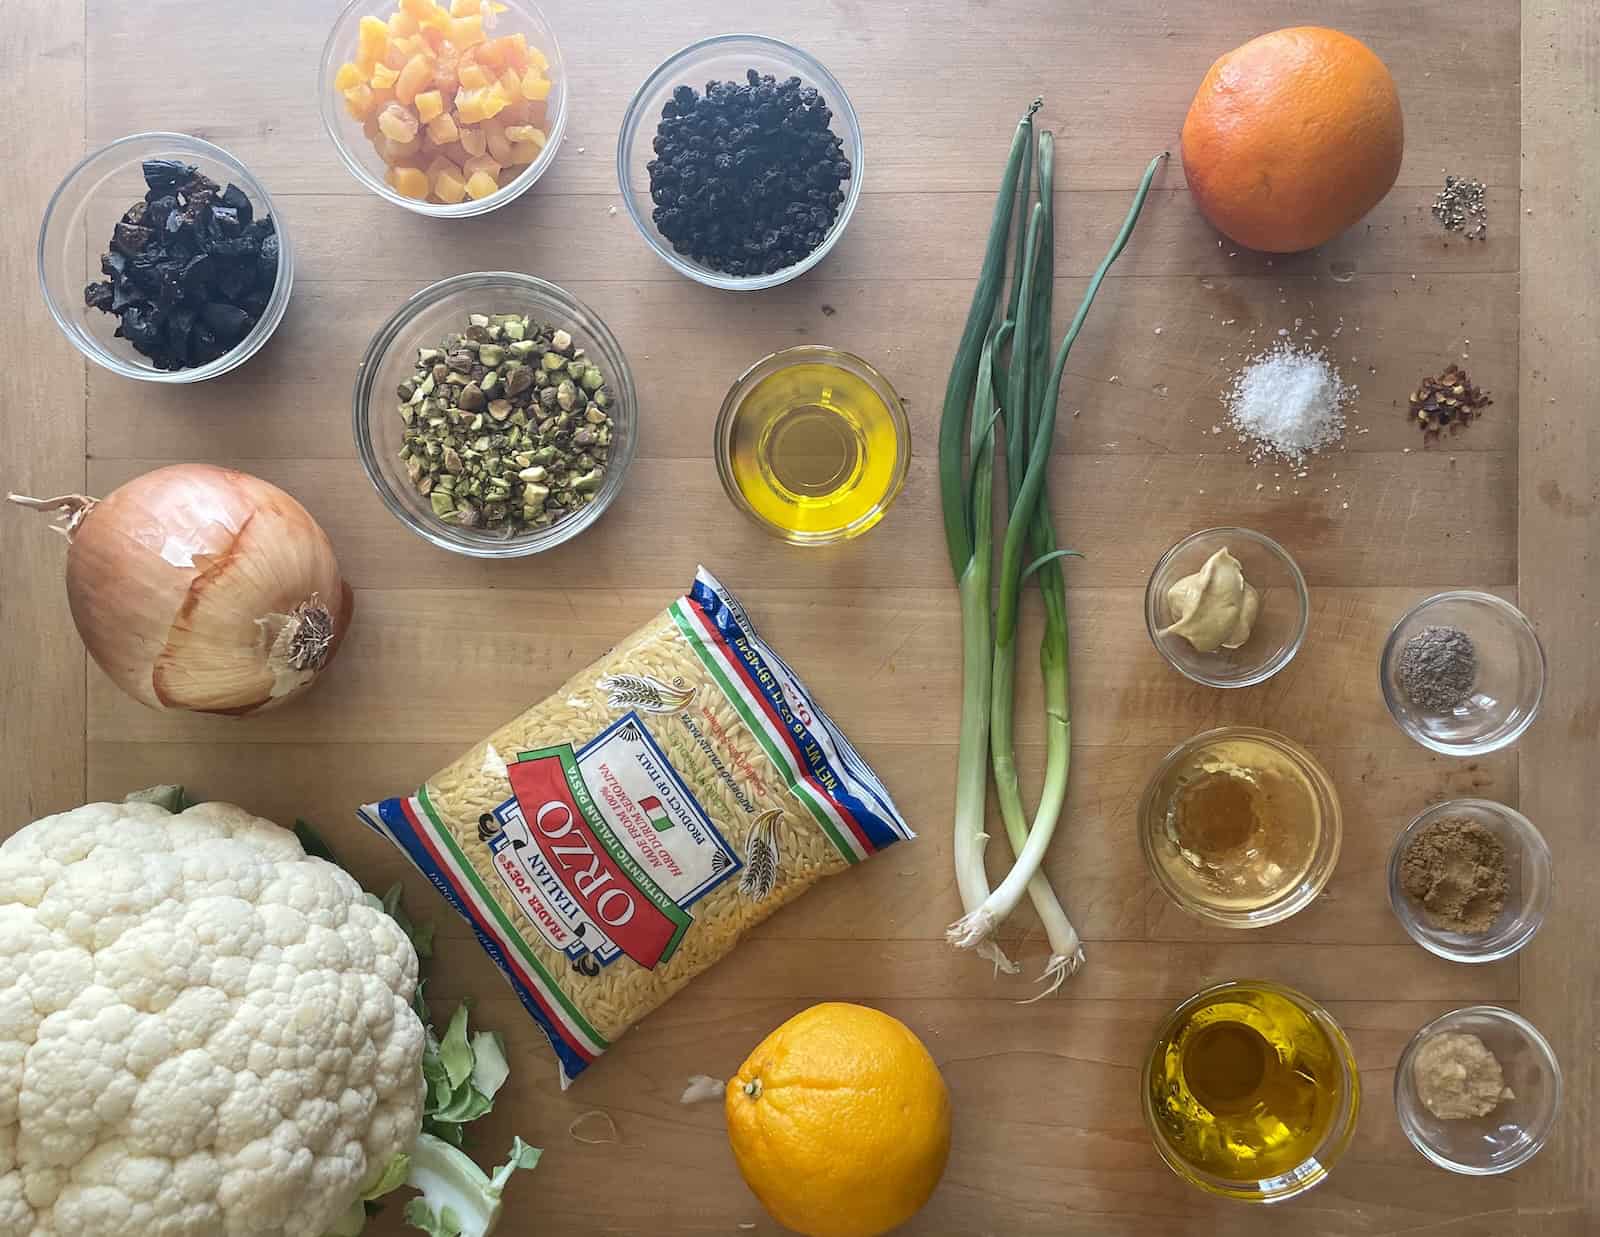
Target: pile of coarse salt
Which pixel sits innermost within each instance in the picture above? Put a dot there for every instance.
(1288, 401)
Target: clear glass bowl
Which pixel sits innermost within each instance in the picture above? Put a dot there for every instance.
(1280, 627)
(726, 57)
(1314, 1169)
(1510, 683)
(1515, 1131)
(1531, 877)
(88, 203)
(1160, 849)
(811, 354)
(356, 151)
(422, 322)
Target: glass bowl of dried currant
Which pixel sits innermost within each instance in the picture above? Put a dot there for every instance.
(187, 270)
(739, 160)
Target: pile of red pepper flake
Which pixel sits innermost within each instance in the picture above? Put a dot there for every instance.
(1446, 402)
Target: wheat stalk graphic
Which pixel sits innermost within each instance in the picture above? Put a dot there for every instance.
(761, 857)
(640, 691)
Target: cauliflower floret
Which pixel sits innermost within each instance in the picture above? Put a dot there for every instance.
(203, 1031)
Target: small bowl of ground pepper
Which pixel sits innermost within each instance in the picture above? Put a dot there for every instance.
(1463, 673)
(1470, 880)
(740, 161)
(495, 415)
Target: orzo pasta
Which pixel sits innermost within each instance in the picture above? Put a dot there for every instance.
(618, 838)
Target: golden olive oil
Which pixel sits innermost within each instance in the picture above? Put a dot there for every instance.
(1246, 1085)
(815, 451)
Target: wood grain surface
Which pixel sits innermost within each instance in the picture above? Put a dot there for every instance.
(1048, 1138)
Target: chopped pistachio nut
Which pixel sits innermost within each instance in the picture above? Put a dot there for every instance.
(507, 427)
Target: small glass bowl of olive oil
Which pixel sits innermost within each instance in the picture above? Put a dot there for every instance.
(1251, 1091)
(812, 444)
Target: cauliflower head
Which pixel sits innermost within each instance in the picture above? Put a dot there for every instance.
(203, 1030)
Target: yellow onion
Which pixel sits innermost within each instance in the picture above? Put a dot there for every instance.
(197, 587)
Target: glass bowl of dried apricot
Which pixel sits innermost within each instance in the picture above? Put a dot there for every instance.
(445, 109)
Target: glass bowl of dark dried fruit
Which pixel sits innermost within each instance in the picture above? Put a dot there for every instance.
(1463, 673)
(752, 184)
(187, 270)
(495, 415)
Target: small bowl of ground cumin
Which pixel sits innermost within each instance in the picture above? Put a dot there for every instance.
(1470, 879)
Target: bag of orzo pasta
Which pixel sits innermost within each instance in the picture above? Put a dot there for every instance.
(621, 835)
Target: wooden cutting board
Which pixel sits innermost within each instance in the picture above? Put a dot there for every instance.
(1048, 1138)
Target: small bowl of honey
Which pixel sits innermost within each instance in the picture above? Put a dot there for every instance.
(813, 444)
(1241, 826)
(1251, 1091)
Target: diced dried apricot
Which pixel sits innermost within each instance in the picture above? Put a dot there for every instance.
(440, 164)
(538, 59)
(413, 78)
(398, 122)
(481, 185)
(469, 107)
(467, 31)
(513, 50)
(382, 96)
(429, 105)
(410, 45)
(395, 57)
(472, 76)
(481, 163)
(511, 80)
(473, 141)
(499, 148)
(401, 24)
(449, 188)
(442, 128)
(383, 75)
(525, 133)
(348, 75)
(425, 11)
(496, 99)
(525, 152)
(465, 8)
(358, 100)
(392, 151)
(409, 182)
(369, 126)
(452, 151)
(489, 55)
(373, 40)
(534, 86)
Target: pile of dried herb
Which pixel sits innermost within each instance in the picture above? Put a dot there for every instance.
(1448, 401)
(507, 426)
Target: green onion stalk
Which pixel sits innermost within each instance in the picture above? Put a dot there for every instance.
(1029, 528)
(966, 463)
(1032, 301)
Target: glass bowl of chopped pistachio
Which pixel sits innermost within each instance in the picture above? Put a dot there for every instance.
(495, 415)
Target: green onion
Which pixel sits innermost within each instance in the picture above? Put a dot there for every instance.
(966, 476)
(1029, 525)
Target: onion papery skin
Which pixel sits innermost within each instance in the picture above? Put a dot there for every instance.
(180, 581)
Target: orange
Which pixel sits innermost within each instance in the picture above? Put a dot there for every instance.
(840, 1122)
(1292, 138)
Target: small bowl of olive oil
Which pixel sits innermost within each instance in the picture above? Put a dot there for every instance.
(1251, 1091)
(813, 445)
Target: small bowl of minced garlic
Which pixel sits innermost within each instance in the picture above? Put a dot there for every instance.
(1227, 607)
(1477, 1090)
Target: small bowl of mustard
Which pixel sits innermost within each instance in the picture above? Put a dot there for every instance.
(1227, 607)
